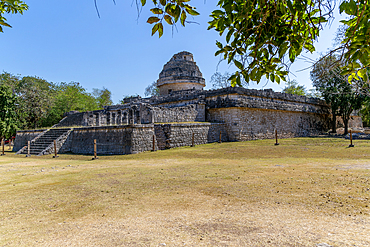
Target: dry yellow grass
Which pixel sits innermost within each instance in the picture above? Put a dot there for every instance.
(303, 192)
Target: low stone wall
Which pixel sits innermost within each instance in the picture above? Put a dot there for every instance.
(142, 138)
(244, 124)
(181, 134)
(123, 139)
(23, 136)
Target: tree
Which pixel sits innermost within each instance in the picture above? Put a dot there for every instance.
(335, 89)
(69, 97)
(265, 33)
(10, 80)
(103, 97)
(264, 36)
(122, 101)
(151, 90)
(292, 87)
(10, 7)
(42, 104)
(219, 80)
(313, 93)
(349, 101)
(365, 113)
(35, 100)
(8, 115)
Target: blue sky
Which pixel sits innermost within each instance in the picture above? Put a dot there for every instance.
(63, 41)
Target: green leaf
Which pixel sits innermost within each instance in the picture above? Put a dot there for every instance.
(152, 20)
(292, 54)
(277, 79)
(350, 78)
(177, 13)
(239, 65)
(218, 52)
(191, 10)
(163, 2)
(183, 18)
(361, 73)
(155, 28)
(219, 44)
(168, 19)
(342, 7)
(169, 9)
(160, 30)
(4, 24)
(157, 11)
(143, 2)
(272, 77)
(217, 12)
(283, 48)
(228, 36)
(309, 47)
(290, 6)
(238, 82)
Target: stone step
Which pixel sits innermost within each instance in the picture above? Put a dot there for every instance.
(45, 141)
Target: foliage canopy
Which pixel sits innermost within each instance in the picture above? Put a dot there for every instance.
(343, 97)
(8, 115)
(263, 37)
(10, 7)
(40, 103)
(293, 88)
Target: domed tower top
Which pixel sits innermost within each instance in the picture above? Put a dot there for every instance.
(180, 73)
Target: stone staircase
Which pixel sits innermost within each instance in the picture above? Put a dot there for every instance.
(44, 143)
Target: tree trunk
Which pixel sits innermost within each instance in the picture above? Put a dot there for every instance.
(334, 124)
(345, 121)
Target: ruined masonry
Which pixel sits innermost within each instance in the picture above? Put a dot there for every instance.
(183, 113)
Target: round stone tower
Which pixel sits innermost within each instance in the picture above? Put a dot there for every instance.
(180, 73)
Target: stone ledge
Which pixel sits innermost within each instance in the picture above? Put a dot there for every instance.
(30, 131)
(114, 127)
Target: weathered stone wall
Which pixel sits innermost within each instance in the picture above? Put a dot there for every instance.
(23, 136)
(266, 93)
(180, 73)
(187, 113)
(109, 141)
(236, 100)
(142, 138)
(179, 98)
(127, 139)
(215, 129)
(178, 135)
(248, 123)
(142, 113)
(166, 89)
(75, 119)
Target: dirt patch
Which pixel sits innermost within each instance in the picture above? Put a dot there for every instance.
(302, 193)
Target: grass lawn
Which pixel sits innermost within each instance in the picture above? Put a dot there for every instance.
(304, 192)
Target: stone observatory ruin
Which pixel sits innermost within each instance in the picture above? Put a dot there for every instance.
(181, 115)
(180, 73)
